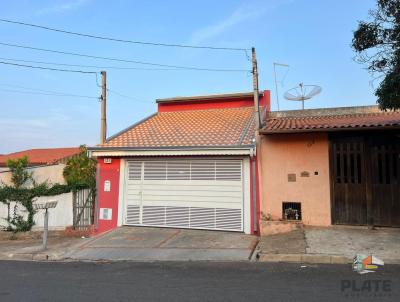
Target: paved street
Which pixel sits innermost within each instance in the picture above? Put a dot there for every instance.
(189, 281)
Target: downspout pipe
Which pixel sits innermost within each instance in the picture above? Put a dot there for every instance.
(96, 200)
(253, 162)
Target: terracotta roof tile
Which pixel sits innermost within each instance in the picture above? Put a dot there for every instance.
(207, 128)
(41, 156)
(331, 122)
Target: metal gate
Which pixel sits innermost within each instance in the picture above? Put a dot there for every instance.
(83, 208)
(365, 179)
(199, 194)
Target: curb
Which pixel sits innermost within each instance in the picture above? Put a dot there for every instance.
(305, 258)
(31, 257)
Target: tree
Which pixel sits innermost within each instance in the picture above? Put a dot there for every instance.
(19, 194)
(80, 173)
(19, 174)
(377, 44)
(80, 170)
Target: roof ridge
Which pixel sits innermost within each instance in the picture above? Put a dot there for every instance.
(334, 115)
(338, 122)
(38, 149)
(246, 128)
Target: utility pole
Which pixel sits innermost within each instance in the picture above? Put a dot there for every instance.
(103, 125)
(255, 88)
(258, 126)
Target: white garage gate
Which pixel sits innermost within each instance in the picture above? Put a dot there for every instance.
(185, 193)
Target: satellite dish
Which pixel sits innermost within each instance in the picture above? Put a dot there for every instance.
(302, 93)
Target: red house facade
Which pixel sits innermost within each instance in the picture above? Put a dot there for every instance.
(190, 165)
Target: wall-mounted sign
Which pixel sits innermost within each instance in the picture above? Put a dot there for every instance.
(291, 177)
(105, 214)
(107, 160)
(107, 186)
(305, 174)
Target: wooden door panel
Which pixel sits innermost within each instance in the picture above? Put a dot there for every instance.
(365, 178)
(349, 187)
(385, 157)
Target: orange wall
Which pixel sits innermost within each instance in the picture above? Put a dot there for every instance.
(281, 154)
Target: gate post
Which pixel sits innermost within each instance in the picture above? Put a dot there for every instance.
(74, 222)
(368, 183)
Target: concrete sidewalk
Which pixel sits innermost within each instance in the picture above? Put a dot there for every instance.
(31, 249)
(335, 244)
(163, 244)
(136, 244)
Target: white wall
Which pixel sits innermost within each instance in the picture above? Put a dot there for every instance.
(59, 217)
(52, 174)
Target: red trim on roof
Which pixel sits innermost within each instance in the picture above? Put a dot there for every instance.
(41, 156)
(214, 103)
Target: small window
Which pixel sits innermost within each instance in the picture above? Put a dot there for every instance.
(291, 210)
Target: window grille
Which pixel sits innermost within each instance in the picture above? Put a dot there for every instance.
(291, 210)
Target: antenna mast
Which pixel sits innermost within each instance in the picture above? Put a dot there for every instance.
(276, 83)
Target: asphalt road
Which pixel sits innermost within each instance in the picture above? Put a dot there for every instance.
(189, 281)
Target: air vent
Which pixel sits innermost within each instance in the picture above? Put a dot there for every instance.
(154, 215)
(186, 217)
(218, 170)
(291, 210)
(228, 219)
(177, 216)
(135, 170)
(202, 218)
(132, 214)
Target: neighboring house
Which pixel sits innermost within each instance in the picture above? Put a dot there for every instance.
(331, 166)
(46, 164)
(190, 165)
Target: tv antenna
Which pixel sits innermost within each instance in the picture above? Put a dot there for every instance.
(276, 83)
(302, 93)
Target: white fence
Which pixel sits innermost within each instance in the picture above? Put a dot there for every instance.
(59, 217)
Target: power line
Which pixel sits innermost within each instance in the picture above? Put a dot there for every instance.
(64, 94)
(47, 68)
(89, 66)
(50, 94)
(122, 60)
(121, 40)
(126, 96)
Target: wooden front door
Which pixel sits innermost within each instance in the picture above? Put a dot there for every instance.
(365, 179)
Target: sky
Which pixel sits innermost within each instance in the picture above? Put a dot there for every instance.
(313, 37)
